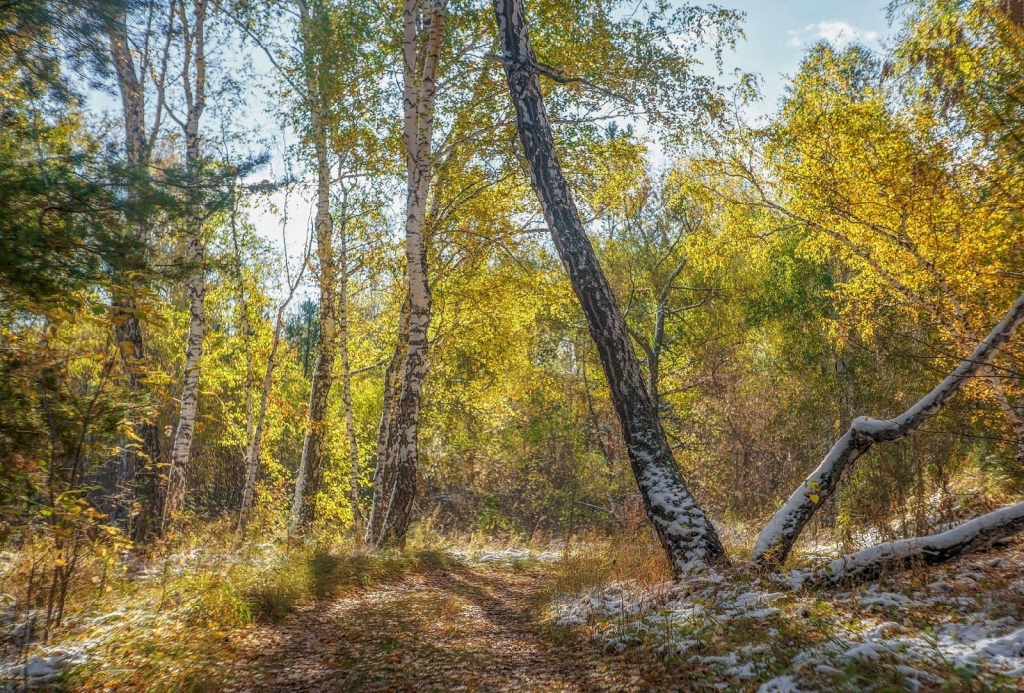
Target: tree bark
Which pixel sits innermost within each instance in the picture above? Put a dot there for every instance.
(419, 93)
(346, 372)
(784, 528)
(975, 535)
(139, 466)
(688, 537)
(384, 472)
(195, 100)
(995, 383)
(310, 474)
(250, 369)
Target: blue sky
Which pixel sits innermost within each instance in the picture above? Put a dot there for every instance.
(778, 32)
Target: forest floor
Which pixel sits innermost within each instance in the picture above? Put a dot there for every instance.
(503, 621)
(601, 617)
(502, 626)
(471, 627)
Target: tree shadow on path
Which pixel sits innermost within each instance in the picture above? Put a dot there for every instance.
(454, 629)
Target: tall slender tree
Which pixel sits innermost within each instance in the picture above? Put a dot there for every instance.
(141, 456)
(310, 473)
(192, 15)
(685, 532)
(384, 472)
(257, 421)
(344, 286)
(340, 65)
(422, 42)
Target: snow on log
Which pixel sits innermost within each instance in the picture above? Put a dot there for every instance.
(974, 535)
(775, 542)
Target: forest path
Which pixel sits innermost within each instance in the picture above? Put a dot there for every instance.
(466, 628)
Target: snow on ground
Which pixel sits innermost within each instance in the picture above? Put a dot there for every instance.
(41, 664)
(26, 663)
(619, 599)
(966, 619)
(41, 668)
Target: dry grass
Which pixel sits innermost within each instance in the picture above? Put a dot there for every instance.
(163, 621)
(175, 627)
(594, 561)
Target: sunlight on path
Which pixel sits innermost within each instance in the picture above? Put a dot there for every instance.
(464, 629)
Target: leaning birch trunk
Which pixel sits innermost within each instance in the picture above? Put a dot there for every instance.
(685, 532)
(419, 92)
(252, 451)
(384, 472)
(975, 535)
(141, 456)
(195, 100)
(782, 530)
(310, 474)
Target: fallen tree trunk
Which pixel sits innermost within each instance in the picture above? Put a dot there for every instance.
(975, 535)
(686, 534)
(782, 530)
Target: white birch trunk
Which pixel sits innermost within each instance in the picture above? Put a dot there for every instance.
(384, 472)
(419, 93)
(784, 528)
(975, 535)
(195, 99)
(310, 473)
(346, 375)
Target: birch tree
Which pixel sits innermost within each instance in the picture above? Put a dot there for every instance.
(685, 532)
(779, 535)
(467, 154)
(143, 454)
(307, 482)
(469, 86)
(337, 83)
(974, 535)
(384, 471)
(345, 263)
(421, 44)
(192, 15)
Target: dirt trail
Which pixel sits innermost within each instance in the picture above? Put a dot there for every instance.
(458, 629)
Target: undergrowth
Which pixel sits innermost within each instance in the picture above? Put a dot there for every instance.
(164, 622)
(594, 561)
